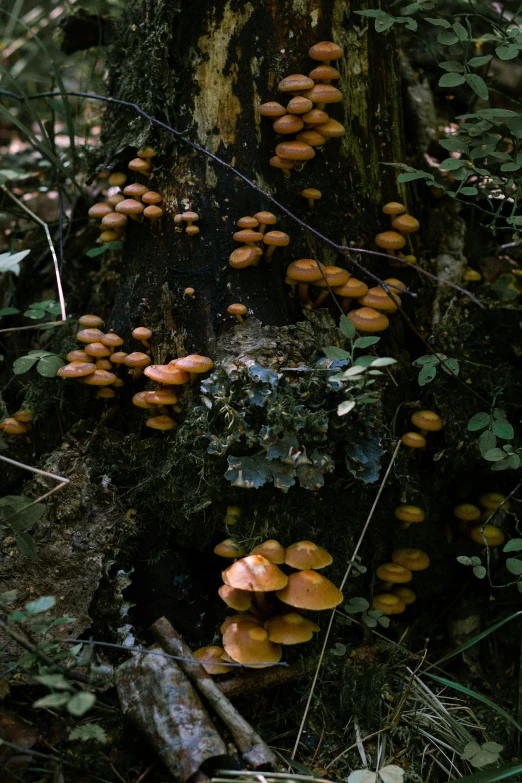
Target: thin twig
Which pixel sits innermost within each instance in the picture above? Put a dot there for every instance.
(61, 479)
(340, 248)
(352, 747)
(47, 325)
(270, 775)
(50, 241)
(30, 752)
(345, 577)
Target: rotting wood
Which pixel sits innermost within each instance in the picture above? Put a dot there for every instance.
(249, 683)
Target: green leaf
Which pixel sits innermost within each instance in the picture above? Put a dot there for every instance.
(506, 52)
(23, 518)
(410, 9)
(452, 66)
(478, 422)
(506, 772)
(332, 352)
(383, 361)
(384, 622)
(384, 23)
(9, 311)
(487, 441)
(48, 366)
(56, 681)
(494, 455)
(345, 407)
(471, 191)
(514, 566)
(476, 639)
(430, 360)
(411, 176)
(451, 80)
(372, 12)
(42, 604)
(451, 366)
(447, 37)
(503, 429)
(23, 364)
(460, 31)
(52, 700)
(510, 167)
(438, 22)
(426, 375)
(454, 144)
(451, 164)
(365, 342)
(89, 732)
(480, 572)
(11, 262)
(347, 328)
(515, 545)
(463, 560)
(478, 85)
(80, 703)
(478, 62)
(25, 544)
(356, 605)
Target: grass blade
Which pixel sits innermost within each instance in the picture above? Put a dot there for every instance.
(478, 638)
(506, 772)
(474, 695)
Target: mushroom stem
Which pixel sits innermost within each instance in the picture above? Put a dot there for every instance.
(269, 252)
(311, 203)
(321, 298)
(137, 372)
(345, 304)
(240, 318)
(303, 294)
(145, 343)
(387, 585)
(262, 604)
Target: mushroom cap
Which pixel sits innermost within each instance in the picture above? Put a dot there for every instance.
(325, 50)
(324, 72)
(160, 397)
(276, 238)
(151, 197)
(490, 533)
(388, 603)
(324, 93)
(281, 163)
(306, 555)
(162, 423)
(311, 193)
(427, 420)
(409, 513)
(472, 276)
(100, 210)
(76, 369)
(152, 212)
(109, 236)
(117, 383)
(111, 339)
(299, 105)
(118, 357)
(394, 283)
(305, 270)
(77, 356)
(394, 572)
(103, 364)
(380, 300)
(142, 333)
(294, 150)
(336, 276)
(105, 393)
(467, 512)
(90, 321)
(229, 549)
(414, 440)
(240, 600)
(237, 309)
(146, 152)
(311, 137)
(412, 559)
(115, 199)
(211, 660)
(194, 363)
(97, 349)
(352, 288)
(315, 117)
(288, 123)
(291, 628)
(139, 164)
(100, 378)
(406, 224)
(367, 319)
(247, 235)
(331, 129)
(239, 618)
(129, 206)
(249, 645)
(169, 376)
(492, 500)
(296, 82)
(137, 359)
(271, 109)
(248, 222)
(140, 402)
(266, 218)
(405, 594)
(13, 427)
(310, 590)
(393, 208)
(89, 335)
(243, 257)
(390, 240)
(189, 215)
(272, 550)
(25, 415)
(255, 573)
(117, 179)
(135, 190)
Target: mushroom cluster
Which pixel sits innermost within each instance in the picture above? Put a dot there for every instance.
(255, 584)
(392, 596)
(478, 524)
(304, 116)
(426, 421)
(255, 240)
(402, 225)
(136, 201)
(18, 424)
(98, 362)
(188, 218)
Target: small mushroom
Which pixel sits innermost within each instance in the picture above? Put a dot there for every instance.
(312, 194)
(412, 559)
(99, 378)
(294, 151)
(90, 321)
(409, 515)
(168, 376)
(137, 362)
(100, 210)
(305, 271)
(115, 199)
(239, 310)
(352, 289)
(189, 218)
(76, 370)
(324, 73)
(405, 224)
(162, 423)
(291, 628)
(189, 292)
(195, 365)
(314, 118)
(152, 212)
(288, 123)
(248, 222)
(135, 191)
(211, 660)
(311, 137)
(282, 163)
(89, 335)
(426, 421)
(109, 236)
(243, 257)
(390, 240)
(249, 645)
(405, 594)
(331, 129)
(272, 550)
(393, 208)
(229, 549)
(299, 105)
(140, 166)
(489, 535)
(380, 300)
(111, 340)
(271, 109)
(274, 239)
(413, 440)
(13, 427)
(265, 219)
(147, 153)
(334, 276)
(131, 208)
(368, 320)
(152, 198)
(295, 83)
(324, 51)
(388, 603)
(240, 600)
(98, 350)
(310, 590)
(321, 94)
(305, 556)
(143, 334)
(393, 574)
(117, 179)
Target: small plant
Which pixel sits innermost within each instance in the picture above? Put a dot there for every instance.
(39, 310)
(429, 365)
(47, 363)
(391, 773)
(370, 617)
(17, 517)
(496, 427)
(98, 251)
(481, 755)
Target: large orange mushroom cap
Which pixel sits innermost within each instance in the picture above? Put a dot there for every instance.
(414, 440)
(240, 600)
(380, 300)
(306, 555)
(76, 369)
(394, 573)
(489, 534)
(325, 51)
(388, 603)
(211, 660)
(427, 420)
(305, 270)
(229, 548)
(291, 628)
(272, 550)
(249, 644)
(412, 559)
(255, 573)
(390, 240)
(367, 319)
(169, 376)
(194, 363)
(310, 590)
(239, 618)
(467, 512)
